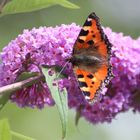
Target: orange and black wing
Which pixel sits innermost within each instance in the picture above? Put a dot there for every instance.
(92, 36)
(91, 83)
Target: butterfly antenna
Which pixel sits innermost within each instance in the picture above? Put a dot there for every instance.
(62, 69)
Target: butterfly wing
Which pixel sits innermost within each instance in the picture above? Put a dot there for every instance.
(92, 35)
(90, 83)
(92, 44)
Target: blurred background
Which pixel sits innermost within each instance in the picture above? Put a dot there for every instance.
(121, 16)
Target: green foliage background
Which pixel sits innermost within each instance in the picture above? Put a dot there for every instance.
(121, 16)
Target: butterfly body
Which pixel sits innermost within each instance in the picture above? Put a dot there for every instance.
(91, 58)
(87, 60)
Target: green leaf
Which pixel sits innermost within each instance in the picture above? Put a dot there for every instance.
(4, 99)
(22, 6)
(26, 75)
(68, 4)
(4, 130)
(18, 135)
(78, 114)
(60, 99)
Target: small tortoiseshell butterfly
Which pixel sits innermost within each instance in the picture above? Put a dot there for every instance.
(91, 58)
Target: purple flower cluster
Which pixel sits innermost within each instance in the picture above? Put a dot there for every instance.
(43, 46)
(52, 46)
(123, 92)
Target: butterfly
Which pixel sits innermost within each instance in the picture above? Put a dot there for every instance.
(91, 58)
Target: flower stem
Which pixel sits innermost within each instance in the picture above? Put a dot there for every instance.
(2, 4)
(19, 85)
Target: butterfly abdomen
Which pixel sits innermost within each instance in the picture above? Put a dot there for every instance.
(85, 60)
